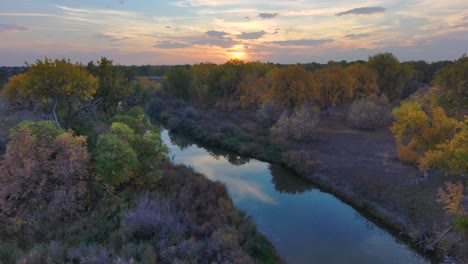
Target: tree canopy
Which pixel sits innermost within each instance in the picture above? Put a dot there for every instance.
(54, 90)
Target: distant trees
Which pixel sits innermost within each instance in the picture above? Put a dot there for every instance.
(54, 90)
(44, 175)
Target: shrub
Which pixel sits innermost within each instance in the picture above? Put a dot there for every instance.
(44, 175)
(369, 113)
(190, 112)
(461, 224)
(296, 125)
(267, 115)
(154, 107)
(299, 160)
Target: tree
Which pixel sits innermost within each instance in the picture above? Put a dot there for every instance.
(452, 84)
(178, 82)
(365, 80)
(293, 87)
(113, 88)
(201, 80)
(421, 137)
(116, 161)
(392, 75)
(255, 85)
(44, 174)
(335, 83)
(224, 81)
(54, 90)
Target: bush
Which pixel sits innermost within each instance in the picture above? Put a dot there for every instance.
(191, 113)
(299, 160)
(267, 114)
(43, 175)
(154, 107)
(369, 113)
(297, 125)
(461, 224)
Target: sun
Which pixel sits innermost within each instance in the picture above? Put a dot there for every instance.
(237, 54)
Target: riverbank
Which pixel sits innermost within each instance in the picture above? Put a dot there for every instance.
(359, 167)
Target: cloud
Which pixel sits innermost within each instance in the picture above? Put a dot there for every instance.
(171, 45)
(109, 37)
(357, 36)
(267, 15)
(251, 35)
(216, 34)
(362, 11)
(220, 42)
(301, 42)
(12, 28)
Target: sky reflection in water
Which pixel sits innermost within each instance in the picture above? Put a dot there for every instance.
(305, 224)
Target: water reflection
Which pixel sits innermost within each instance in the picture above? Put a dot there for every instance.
(184, 142)
(305, 224)
(284, 182)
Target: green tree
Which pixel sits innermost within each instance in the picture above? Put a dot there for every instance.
(54, 90)
(114, 87)
(392, 75)
(178, 82)
(116, 161)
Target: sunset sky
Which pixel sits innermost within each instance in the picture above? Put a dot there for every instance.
(189, 31)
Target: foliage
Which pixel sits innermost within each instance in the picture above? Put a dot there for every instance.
(224, 80)
(113, 87)
(297, 125)
(452, 83)
(44, 175)
(178, 82)
(364, 81)
(116, 161)
(451, 197)
(267, 115)
(54, 90)
(293, 86)
(392, 75)
(369, 113)
(335, 84)
(461, 224)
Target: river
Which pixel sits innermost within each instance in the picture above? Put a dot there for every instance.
(305, 224)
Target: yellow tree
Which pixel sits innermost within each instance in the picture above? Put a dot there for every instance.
(54, 90)
(365, 80)
(335, 84)
(293, 87)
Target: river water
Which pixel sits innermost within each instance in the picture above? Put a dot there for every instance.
(304, 224)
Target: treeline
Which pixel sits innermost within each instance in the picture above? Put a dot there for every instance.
(239, 84)
(91, 182)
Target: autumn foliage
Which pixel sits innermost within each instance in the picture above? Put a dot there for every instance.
(43, 168)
